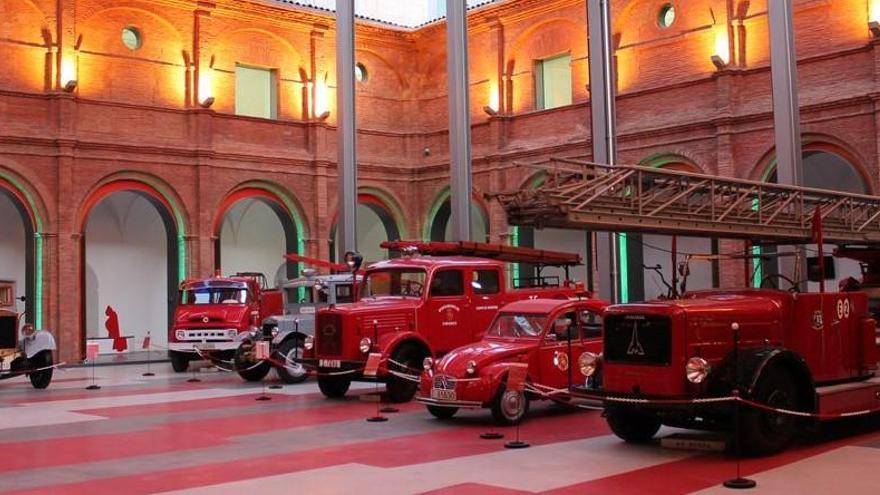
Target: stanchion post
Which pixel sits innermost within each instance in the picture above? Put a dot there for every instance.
(738, 483)
(148, 344)
(371, 368)
(516, 382)
(262, 354)
(92, 356)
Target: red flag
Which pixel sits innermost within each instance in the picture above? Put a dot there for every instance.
(147, 341)
(516, 377)
(92, 351)
(372, 366)
(262, 349)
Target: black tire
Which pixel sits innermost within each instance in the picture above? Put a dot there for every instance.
(291, 348)
(632, 425)
(41, 379)
(509, 407)
(333, 387)
(764, 432)
(179, 361)
(399, 389)
(247, 366)
(442, 412)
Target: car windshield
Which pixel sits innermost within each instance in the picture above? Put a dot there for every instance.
(522, 326)
(214, 295)
(398, 282)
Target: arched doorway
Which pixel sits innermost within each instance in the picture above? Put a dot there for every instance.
(375, 223)
(18, 249)
(439, 226)
(824, 167)
(132, 261)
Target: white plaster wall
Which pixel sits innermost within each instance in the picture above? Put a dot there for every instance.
(252, 240)
(126, 268)
(568, 241)
(12, 248)
(371, 233)
(479, 230)
(658, 251)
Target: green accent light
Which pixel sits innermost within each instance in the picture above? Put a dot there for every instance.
(514, 241)
(38, 249)
(758, 269)
(622, 253)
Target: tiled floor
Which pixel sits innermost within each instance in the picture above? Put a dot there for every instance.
(164, 434)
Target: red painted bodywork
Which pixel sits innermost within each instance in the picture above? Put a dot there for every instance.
(837, 346)
(439, 324)
(494, 355)
(242, 317)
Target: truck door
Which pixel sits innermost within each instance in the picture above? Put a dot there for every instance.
(448, 310)
(485, 295)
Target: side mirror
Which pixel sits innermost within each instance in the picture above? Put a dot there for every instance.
(354, 260)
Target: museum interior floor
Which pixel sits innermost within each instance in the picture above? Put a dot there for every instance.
(163, 433)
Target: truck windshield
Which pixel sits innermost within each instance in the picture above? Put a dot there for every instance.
(522, 326)
(402, 282)
(214, 295)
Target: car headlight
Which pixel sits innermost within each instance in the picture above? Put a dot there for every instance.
(471, 367)
(697, 369)
(365, 345)
(428, 363)
(232, 333)
(274, 332)
(309, 343)
(560, 360)
(180, 334)
(588, 363)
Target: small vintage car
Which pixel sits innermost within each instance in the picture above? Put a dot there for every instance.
(27, 352)
(547, 334)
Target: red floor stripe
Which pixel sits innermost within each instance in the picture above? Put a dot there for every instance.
(459, 440)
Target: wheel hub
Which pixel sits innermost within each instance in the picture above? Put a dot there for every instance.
(512, 404)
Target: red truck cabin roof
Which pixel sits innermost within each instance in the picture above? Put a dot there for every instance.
(428, 262)
(227, 283)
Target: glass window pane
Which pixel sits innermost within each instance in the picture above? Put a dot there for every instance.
(254, 92)
(554, 83)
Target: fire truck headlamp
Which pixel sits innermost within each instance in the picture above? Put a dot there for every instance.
(697, 369)
(588, 363)
(231, 333)
(428, 363)
(180, 334)
(471, 367)
(309, 343)
(365, 345)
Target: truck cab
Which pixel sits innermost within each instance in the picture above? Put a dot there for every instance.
(410, 308)
(214, 315)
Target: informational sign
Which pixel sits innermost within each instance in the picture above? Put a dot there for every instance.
(516, 377)
(262, 349)
(147, 342)
(92, 351)
(372, 366)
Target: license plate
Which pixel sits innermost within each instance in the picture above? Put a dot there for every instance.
(204, 346)
(330, 363)
(441, 394)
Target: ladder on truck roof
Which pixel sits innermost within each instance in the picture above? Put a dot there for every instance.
(581, 195)
(500, 252)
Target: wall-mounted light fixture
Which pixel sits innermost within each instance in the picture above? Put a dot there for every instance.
(206, 102)
(721, 54)
(719, 62)
(206, 87)
(874, 27)
(69, 86)
(68, 79)
(491, 112)
(324, 115)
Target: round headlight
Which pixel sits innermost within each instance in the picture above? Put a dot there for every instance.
(274, 332)
(309, 343)
(471, 367)
(560, 360)
(428, 363)
(365, 345)
(697, 369)
(588, 363)
(180, 334)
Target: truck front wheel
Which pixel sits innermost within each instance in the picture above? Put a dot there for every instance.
(333, 387)
(290, 371)
(41, 379)
(179, 361)
(400, 389)
(246, 364)
(632, 425)
(764, 432)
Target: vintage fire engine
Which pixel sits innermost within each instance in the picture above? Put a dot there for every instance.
(216, 315)
(288, 331)
(547, 334)
(423, 305)
(665, 362)
(23, 352)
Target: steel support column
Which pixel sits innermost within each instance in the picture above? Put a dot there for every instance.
(345, 118)
(786, 111)
(602, 98)
(459, 119)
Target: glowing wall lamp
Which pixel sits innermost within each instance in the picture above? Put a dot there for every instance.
(68, 74)
(874, 27)
(321, 109)
(492, 108)
(206, 88)
(721, 57)
(874, 18)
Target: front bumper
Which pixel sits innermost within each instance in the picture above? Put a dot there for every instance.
(464, 404)
(203, 347)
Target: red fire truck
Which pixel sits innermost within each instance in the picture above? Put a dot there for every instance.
(791, 356)
(216, 316)
(439, 297)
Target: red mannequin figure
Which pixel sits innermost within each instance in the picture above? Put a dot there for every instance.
(112, 326)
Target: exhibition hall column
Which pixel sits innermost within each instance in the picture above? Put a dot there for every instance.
(459, 118)
(346, 133)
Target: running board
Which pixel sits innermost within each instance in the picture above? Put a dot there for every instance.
(849, 397)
